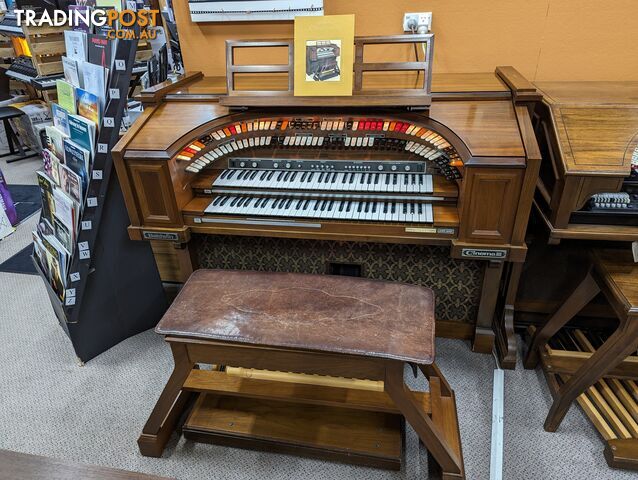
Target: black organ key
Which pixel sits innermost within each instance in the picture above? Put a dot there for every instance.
(288, 203)
(320, 179)
(254, 174)
(369, 180)
(341, 206)
(294, 174)
(393, 208)
(312, 174)
(232, 172)
(374, 207)
(217, 200)
(224, 174)
(376, 178)
(234, 202)
(387, 179)
(394, 179)
(298, 205)
(385, 207)
(348, 206)
(303, 176)
(280, 176)
(360, 207)
(272, 172)
(286, 176)
(351, 180)
(263, 175)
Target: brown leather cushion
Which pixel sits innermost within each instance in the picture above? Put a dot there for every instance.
(314, 312)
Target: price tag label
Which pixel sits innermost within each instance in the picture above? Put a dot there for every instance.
(109, 122)
(70, 292)
(102, 148)
(75, 277)
(114, 93)
(91, 202)
(69, 301)
(83, 246)
(84, 254)
(87, 225)
(97, 174)
(120, 65)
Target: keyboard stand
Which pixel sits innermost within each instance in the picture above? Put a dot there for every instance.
(5, 114)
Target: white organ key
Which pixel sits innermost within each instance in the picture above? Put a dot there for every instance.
(320, 141)
(314, 141)
(341, 124)
(355, 125)
(324, 124)
(408, 145)
(419, 150)
(409, 130)
(347, 141)
(268, 140)
(286, 141)
(221, 134)
(216, 136)
(385, 126)
(359, 141)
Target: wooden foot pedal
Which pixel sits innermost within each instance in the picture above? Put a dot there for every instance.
(353, 436)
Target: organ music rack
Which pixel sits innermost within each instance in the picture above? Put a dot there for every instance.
(470, 139)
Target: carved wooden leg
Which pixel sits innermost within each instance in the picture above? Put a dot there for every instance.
(579, 298)
(168, 408)
(483, 341)
(504, 325)
(621, 344)
(437, 433)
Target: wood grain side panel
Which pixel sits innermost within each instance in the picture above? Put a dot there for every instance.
(155, 195)
(489, 217)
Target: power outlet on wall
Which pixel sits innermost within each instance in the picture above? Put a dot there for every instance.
(420, 22)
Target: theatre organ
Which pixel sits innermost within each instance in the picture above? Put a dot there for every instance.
(437, 195)
(588, 186)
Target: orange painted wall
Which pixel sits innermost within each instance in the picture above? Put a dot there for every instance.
(544, 39)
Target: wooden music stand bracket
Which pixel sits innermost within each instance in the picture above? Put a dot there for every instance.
(398, 97)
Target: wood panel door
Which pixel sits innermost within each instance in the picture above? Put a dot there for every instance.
(490, 214)
(154, 191)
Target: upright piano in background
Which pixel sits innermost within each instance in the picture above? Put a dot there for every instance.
(436, 195)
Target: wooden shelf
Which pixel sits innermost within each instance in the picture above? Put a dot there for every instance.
(352, 436)
(283, 100)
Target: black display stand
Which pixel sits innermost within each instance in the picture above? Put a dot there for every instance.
(113, 289)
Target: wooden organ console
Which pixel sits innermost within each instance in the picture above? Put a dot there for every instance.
(588, 185)
(437, 196)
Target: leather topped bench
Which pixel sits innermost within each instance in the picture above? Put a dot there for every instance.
(326, 313)
(311, 325)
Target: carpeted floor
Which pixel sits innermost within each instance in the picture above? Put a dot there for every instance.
(52, 406)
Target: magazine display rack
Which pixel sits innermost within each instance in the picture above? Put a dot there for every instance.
(113, 290)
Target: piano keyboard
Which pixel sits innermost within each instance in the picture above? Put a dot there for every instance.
(329, 209)
(334, 181)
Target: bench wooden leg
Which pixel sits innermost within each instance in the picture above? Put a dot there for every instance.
(580, 297)
(621, 344)
(169, 406)
(439, 434)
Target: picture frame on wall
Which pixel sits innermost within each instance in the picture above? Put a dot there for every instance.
(324, 55)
